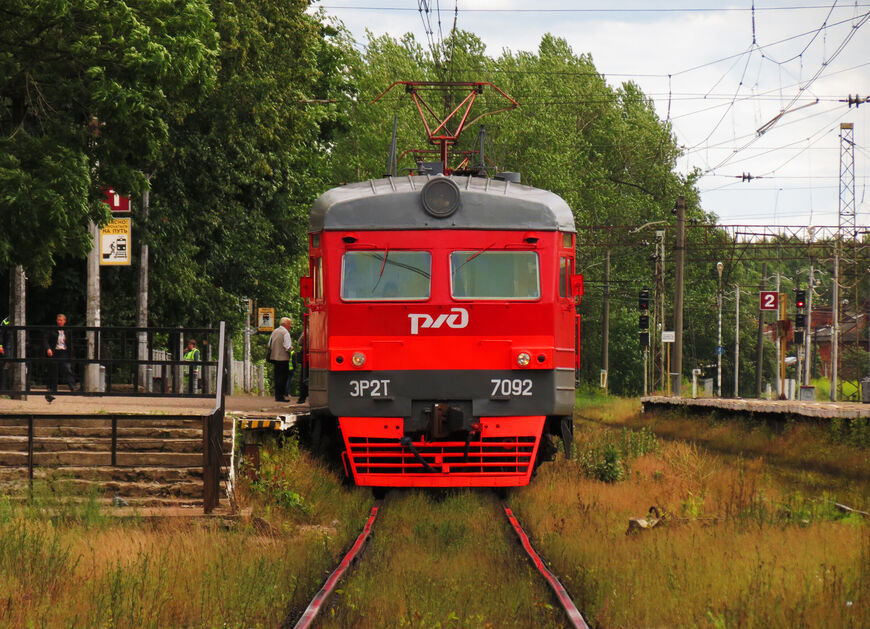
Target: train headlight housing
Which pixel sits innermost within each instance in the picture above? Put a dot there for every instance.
(358, 359)
(523, 359)
(440, 197)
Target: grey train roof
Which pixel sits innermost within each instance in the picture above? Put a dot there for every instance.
(395, 203)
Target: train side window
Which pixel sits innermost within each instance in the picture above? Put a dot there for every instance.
(318, 278)
(565, 273)
(386, 275)
(495, 275)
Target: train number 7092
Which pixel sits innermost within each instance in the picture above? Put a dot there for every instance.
(511, 387)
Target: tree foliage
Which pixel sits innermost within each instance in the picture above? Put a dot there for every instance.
(229, 208)
(89, 90)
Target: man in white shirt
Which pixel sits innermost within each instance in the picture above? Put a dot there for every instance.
(280, 347)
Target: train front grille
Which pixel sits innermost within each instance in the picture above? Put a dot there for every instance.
(493, 457)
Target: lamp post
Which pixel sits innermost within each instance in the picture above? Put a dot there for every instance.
(719, 267)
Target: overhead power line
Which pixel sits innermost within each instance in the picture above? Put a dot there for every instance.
(606, 10)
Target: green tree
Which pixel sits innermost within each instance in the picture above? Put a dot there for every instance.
(229, 208)
(89, 91)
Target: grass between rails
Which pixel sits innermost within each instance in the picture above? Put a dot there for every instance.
(66, 563)
(443, 559)
(737, 548)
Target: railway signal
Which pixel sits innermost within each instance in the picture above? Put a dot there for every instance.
(643, 300)
(800, 317)
(800, 298)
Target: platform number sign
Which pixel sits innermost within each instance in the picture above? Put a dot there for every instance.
(769, 300)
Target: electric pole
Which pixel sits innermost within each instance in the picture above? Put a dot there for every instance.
(736, 340)
(17, 294)
(759, 353)
(92, 316)
(605, 341)
(680, 250)
(142, 306)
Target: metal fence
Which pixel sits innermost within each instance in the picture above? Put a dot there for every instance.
(126, 361)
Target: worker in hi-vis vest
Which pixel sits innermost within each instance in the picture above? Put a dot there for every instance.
(192, 373)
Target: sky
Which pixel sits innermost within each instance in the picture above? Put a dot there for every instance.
(752, 95)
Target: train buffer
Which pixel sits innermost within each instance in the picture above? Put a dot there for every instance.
(267, 422)
(255, 427)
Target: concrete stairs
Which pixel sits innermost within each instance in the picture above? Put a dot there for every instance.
(158, 459)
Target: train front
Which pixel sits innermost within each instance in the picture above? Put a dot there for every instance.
(442, 328)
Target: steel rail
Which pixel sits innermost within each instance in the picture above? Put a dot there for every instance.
(565, 601)
(316, 604)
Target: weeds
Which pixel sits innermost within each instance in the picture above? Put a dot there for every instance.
(737, 546)
(274, 483)
(65, 562)
(854, 431)
(608, 457)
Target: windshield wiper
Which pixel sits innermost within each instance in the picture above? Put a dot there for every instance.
(381, 273)
(473, 256)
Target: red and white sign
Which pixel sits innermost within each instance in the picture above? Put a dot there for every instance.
(117, 203)
(769, 300)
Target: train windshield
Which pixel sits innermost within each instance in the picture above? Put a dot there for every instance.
(385, 275)
(495, 275)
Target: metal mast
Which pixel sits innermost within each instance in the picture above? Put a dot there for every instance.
(847, 179)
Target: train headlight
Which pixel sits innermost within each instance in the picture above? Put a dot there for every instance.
(440, 197)
(358, 359)
(523, 359)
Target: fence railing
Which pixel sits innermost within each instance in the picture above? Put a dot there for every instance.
(110, 360)
(115, 351)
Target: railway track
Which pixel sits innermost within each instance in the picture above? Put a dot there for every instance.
(318, 603)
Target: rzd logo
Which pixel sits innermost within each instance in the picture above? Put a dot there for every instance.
(457, 319)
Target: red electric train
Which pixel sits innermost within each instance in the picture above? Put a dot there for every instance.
(443, 338)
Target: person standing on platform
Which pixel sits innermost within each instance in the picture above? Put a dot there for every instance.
(192, 372)
(58, 347)
(280, 348)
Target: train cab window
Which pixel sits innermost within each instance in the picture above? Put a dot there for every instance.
(385, 275)
(495, 275)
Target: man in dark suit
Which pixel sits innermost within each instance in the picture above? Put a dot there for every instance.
(58, 347)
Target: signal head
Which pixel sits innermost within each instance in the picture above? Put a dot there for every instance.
(800, 298)
(643, 299)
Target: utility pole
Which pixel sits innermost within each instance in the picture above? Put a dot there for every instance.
(736, 340)
(142, 305)
(92, 316)
(808, 344)
(659, 324)
(759, 352)
(605, 342)
(17, 296)
(246, 350)
(719, 349)
(680, 250)
(835, 322)
(779, 343)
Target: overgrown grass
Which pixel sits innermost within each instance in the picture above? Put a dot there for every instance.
(66, 562)
(607, 455)
(735, 548)
(838, 448)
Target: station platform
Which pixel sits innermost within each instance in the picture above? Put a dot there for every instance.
(820, 410)
(239, 405)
